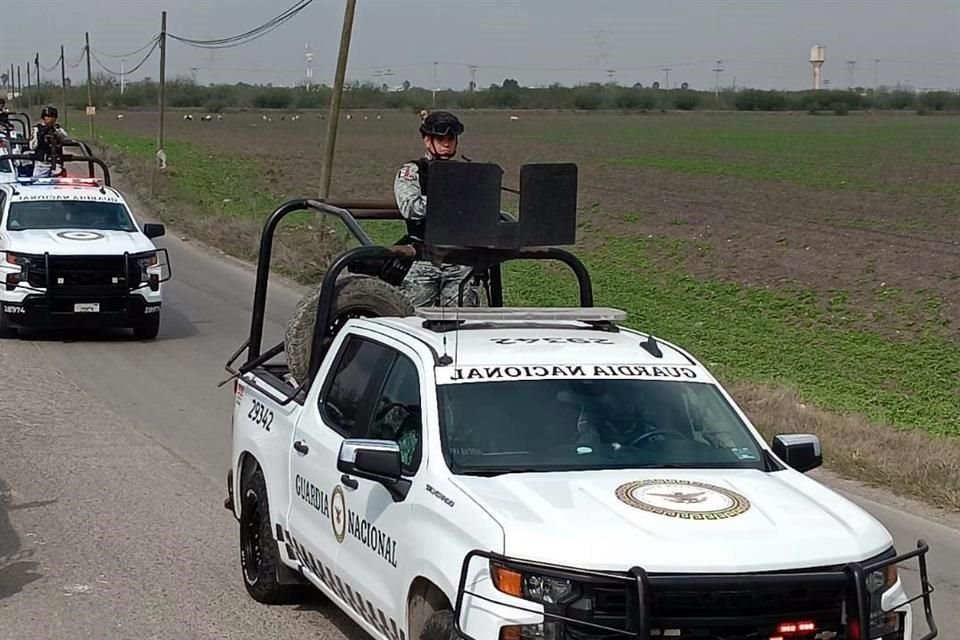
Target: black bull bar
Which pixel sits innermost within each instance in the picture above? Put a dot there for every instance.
(851, 577)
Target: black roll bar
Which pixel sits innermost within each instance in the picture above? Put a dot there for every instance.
(481, 259)
(69, 157)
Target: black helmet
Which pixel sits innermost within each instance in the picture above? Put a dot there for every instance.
(441, 123)
(49, 110)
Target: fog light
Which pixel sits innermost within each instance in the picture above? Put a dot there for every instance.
(542, 631)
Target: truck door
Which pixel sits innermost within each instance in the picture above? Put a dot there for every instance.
(340, 410)
(374, 550)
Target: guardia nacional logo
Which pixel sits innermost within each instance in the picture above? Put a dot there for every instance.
(338, 513)
(684, 499)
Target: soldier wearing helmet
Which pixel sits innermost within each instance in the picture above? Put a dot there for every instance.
(426, 284)
(47, 142)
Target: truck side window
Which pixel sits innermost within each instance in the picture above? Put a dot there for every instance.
(396, 413)
(359, 370)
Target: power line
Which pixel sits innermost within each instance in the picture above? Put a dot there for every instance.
(132, 53)
(155, 43)
(247, 36)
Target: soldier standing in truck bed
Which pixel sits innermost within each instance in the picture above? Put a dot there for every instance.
(426, 284)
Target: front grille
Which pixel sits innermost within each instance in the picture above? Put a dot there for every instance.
(701, 610)
(83, 274)
(765, 601)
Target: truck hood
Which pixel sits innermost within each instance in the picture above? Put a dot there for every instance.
(724, 521)
(77, 242)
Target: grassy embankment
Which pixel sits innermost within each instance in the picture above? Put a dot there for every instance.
(887, 410)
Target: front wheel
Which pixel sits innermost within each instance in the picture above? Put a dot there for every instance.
(259, 554)
(440, 627)
(7, 330)
(148, 328)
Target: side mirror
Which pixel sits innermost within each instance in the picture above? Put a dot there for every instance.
(376, 460)
(153, 230)
(799, 450)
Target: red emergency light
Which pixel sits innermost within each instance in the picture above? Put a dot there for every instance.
(785, 629)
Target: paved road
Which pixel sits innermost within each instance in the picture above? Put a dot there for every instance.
(114, 454)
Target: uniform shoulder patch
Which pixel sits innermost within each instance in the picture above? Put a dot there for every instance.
(408, 171)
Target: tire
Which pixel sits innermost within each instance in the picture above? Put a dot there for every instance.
(440, 627)
(259, 554)
(148, 328)
(355, 296)
(6, 329)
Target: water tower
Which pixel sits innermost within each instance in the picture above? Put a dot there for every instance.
(817, 58)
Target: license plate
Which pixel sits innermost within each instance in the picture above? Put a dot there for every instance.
(86, 307)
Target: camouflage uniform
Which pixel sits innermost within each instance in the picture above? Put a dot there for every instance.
(424, 282)
(40, 144)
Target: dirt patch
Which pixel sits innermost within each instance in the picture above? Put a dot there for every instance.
(890, 246)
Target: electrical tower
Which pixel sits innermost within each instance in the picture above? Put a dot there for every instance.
(308, 55)
(473, 77)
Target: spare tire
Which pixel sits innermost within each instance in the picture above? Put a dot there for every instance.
(355, 296)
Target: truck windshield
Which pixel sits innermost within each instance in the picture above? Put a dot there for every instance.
(565, 425)
(69, 214)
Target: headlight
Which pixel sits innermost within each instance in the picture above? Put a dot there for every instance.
(878, 582)
(881, 580)
(534, 587)
(148, 260)
(17, 259)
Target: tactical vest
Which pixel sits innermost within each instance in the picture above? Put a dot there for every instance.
(417, 228)
(43, 152)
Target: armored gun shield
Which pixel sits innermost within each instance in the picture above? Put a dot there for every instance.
(463, 206)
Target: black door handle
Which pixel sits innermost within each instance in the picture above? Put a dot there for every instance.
(301, 447)
(349, 482)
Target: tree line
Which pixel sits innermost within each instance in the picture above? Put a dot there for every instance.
(185, 93)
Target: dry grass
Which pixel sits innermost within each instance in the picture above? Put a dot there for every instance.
(909, 463)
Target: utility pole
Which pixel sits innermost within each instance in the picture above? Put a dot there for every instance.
(716, 90)
(13, 84)
(29, 89)
(434, 84)
(473, 77)
(89, 87)
(851, 78)
(19, 88)
(63, 84)
(876, 64)
(163, 76)
(36, 62)
(123, 75)
(326, 169)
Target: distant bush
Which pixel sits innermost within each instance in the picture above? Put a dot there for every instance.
(840, 108)
(686, 100)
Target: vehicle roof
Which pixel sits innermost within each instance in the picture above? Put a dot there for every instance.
(518, 342)
(87, 189)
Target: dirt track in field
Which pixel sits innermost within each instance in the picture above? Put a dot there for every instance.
(880, 245)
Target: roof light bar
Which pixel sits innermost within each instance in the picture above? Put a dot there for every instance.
(493, 314)
(91, 182)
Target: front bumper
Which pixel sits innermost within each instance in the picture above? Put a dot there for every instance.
(39, 311)
(635, 604)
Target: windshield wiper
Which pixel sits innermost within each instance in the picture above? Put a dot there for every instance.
(490, 472)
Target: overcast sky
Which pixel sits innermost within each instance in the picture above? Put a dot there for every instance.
(761, 43)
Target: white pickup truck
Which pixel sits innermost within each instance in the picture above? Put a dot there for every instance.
(520, 474)
(73, 255)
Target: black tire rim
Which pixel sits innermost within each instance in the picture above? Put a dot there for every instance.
(250, 534)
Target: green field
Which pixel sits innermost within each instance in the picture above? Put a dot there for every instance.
(817, 253)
